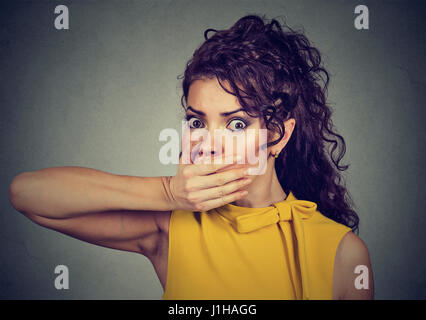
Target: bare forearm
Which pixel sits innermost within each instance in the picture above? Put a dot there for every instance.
(64, 192)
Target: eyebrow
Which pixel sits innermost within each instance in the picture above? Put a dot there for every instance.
(223, 114)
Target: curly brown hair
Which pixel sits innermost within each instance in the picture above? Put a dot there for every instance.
(277, 74)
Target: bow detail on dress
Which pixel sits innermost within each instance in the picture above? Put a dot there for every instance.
(291, 210)
(281, 211)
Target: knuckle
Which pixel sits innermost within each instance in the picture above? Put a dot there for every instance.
(191, 198)
(186, 173)
(222, 201)
(220, 193)
(187, 188)
(220, 180)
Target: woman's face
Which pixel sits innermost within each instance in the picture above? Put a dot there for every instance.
(217, 127)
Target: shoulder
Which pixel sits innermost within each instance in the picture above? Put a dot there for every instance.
(353, 275)
(351, 252)
(326, 230)
(352, 249)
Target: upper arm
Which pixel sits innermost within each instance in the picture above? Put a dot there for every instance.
(135, 231)
(353, 276)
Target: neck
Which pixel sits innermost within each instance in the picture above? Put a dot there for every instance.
(260, 196)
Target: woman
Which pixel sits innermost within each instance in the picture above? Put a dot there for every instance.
(220, 231)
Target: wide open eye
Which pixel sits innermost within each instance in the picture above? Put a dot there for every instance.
(194, 123)
(237, 124)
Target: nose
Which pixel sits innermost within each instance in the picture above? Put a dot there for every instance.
(210, 146)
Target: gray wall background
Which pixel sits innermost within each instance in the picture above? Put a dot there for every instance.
(98, 95)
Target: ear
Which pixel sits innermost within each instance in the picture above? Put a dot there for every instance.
(289, 128)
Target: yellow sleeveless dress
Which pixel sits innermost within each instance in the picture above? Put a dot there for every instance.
(282, 252)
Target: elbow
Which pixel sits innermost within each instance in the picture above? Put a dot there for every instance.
(16, 191)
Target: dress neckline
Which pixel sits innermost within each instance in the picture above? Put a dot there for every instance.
(231, 210)
(288, 215)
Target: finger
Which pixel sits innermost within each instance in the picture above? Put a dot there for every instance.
(221, 191)
(219, 202)
(235, 166)
(219, 179)
(209, 168)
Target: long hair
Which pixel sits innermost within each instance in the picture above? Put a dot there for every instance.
(277, 74)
